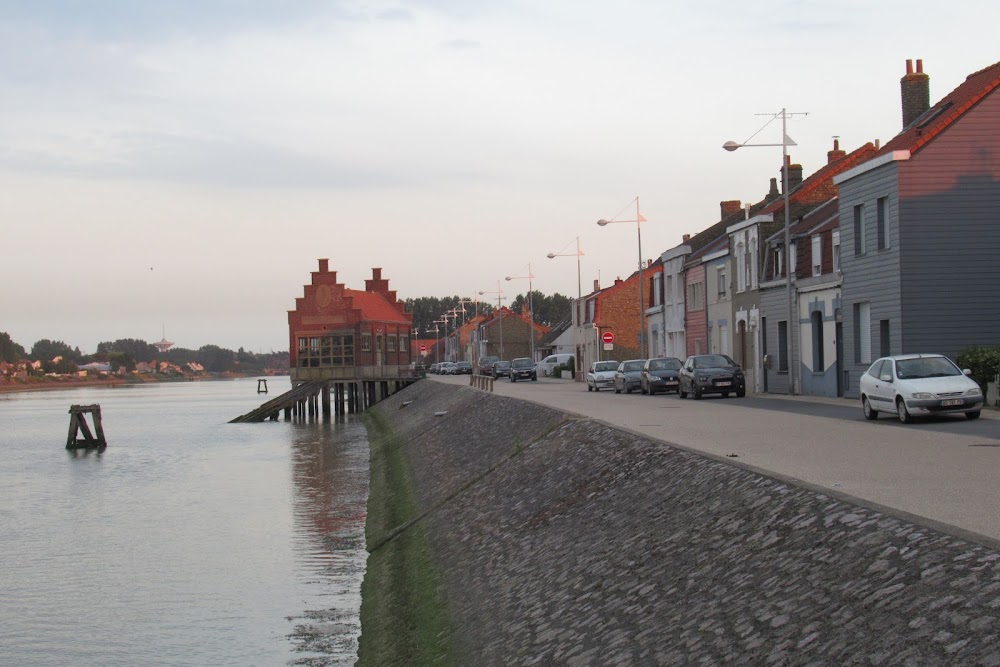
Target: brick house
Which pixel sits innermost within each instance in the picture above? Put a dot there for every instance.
(506, 334)
(616, 309)
(918, 224)
(336, 333)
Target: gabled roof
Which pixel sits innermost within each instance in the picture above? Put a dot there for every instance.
(821, 218)
(819, 187)
(557, 330)
(374, 307)
(950, 108)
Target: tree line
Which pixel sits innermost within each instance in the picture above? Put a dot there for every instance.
(127, 352)
(548, 310)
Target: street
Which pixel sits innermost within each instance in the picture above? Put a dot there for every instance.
(944, 470)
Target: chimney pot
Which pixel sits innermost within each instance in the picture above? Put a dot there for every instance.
(597, 285)
(909, 66)
(920, 66)
(376, 274)
(836, 154)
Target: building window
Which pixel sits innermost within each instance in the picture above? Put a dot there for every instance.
(883, 222)
(752, 268)
(817, 341)
(723, 339)
(863, 332)
(722, 281)
(741, 263)
(836, 251)
(319, 351)
(668, 291)
(404, 345)
(793, 257)
(378, 343)
(390, 342)
(883, 338)
(366, 342)
(779, 269)
(695, 298)
(782, 346)
(658, 289)
(859, 229)
(591, 308)
(817, 254)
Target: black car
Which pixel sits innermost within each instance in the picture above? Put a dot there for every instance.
(660, 374)
(500, 369)
(711, 374)
(522, 368)
(463, 368)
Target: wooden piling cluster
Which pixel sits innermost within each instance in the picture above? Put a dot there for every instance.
(78, 426)
(484, 382)
(323, 398)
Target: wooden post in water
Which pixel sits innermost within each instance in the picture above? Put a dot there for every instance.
(78, 424)
(261, 386)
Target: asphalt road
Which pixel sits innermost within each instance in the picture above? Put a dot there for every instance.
(944, 472)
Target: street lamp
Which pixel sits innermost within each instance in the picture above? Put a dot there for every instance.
(499, 293)
(642, 314)
(786, 141)
(531, 310)
(577, 254)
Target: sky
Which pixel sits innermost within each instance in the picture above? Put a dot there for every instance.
(177, 167)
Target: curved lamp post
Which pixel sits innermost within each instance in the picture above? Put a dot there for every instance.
(638, 230)
(531, 310)
(786, 141)
(577, 254)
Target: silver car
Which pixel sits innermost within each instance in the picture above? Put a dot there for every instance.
(918, 384)
(628, 375)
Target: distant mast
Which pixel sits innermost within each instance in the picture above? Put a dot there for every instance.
(164, 344)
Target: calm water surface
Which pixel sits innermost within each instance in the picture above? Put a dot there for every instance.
(188, 541)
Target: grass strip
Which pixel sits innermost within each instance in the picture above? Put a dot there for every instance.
(404, 619)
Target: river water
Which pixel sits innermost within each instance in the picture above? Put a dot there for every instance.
(188, 541)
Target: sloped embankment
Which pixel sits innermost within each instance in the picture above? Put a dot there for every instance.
(549, 539)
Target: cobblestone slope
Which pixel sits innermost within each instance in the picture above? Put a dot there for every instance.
(564, 541)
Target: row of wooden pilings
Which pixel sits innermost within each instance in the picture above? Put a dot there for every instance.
(481, 382)
(340, 398)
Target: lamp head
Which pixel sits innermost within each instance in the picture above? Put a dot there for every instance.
(731, 146)
(551, 255)
(602, 222)
(508, 278)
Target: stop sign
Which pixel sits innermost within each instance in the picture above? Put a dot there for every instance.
(608, 337)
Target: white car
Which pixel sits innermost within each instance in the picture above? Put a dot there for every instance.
(601, 374)
(918, 384)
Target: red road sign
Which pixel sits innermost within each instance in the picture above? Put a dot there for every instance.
(423, 348)
(608, 337)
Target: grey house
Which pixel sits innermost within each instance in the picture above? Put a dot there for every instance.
(920, 229)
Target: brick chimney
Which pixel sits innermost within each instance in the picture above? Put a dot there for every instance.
(729, 207)
(773, 192)
(324, 266)
(376, 274)
(915, 91)
(686, 238)
(794, 173)
(597, 285)
(836, 154)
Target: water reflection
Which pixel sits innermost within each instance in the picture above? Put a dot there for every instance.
(330, 482)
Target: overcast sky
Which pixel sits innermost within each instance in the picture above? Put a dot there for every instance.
(182, 164)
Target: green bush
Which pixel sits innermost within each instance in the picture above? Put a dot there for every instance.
(984, 362)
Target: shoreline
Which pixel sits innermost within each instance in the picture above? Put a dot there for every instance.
(15, 388)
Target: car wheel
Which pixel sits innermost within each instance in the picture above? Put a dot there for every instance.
(589, 388)
(740, 393)
(628, 389)
(902, 412)
(696, 393)
(534, 378)
(617, 390)
(973, 415)
(513, 379)
(680, 391)
(725, 394)
(866, 407)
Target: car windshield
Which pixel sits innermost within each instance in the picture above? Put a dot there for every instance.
(928, 367)
(664, 365)
(713, 361)
(634, 365)
(602, 366)
(523, 363)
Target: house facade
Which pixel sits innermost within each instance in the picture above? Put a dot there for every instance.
(919, 232)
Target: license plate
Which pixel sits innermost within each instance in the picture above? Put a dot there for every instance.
(950, 402)
(722, 384)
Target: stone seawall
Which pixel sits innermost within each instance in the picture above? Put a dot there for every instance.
(564, 541)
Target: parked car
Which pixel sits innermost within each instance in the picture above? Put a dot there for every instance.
(434, 367)
(545, 366)
(486, 364)
(447, 368)
(711, 374)
(522, 368)
(501, 369)
(601, 374)
(660, 374)
(628, 375)
(463, 368)
(916, 385)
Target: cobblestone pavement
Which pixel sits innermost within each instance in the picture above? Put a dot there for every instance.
(566, 541)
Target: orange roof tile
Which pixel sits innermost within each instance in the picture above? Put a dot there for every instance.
(374, 307)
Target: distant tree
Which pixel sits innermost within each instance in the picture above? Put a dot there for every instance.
(216, 359)
(427, 309)
(548, 310)
(181, 355)
(121, 360)
(9, 350)
(139, 349)
(64, 366)
(47, 350)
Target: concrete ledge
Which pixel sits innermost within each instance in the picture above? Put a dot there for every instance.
(565, 541)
